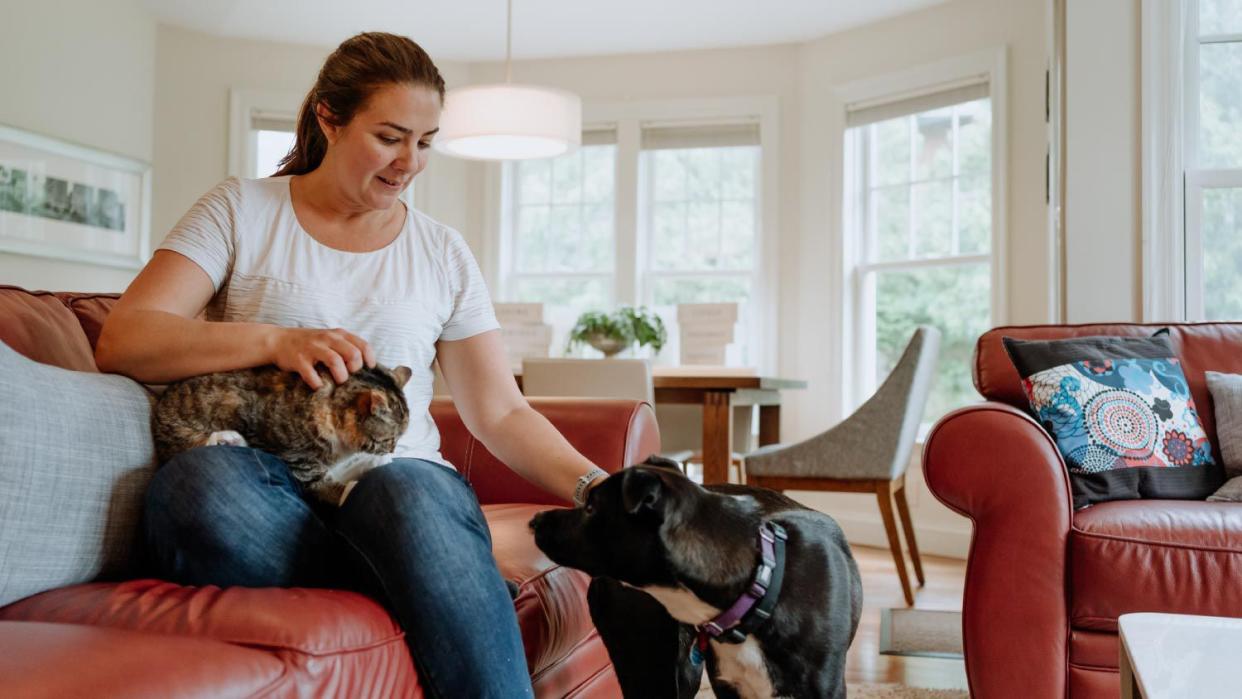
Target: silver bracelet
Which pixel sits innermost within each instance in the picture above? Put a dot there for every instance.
(583, 481)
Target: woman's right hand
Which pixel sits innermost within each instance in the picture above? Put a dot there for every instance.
(300, 349)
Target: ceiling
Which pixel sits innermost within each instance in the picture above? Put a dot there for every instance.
(474, 30)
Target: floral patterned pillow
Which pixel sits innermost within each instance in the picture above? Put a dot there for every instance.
(1122, 416)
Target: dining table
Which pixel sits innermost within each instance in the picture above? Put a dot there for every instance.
(718, 389)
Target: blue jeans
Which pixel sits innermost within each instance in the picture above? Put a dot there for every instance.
(411, 533)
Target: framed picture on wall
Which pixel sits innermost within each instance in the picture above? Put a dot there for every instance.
(70, 202)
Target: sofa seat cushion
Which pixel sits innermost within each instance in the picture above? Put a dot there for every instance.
(329, 642)
(551, 602)
(315, 631)
(1173, 556)
(311, 621)
(70, 660)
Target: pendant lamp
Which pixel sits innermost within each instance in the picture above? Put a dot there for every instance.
(506, 121)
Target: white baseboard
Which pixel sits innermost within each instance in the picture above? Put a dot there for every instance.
(949, 541)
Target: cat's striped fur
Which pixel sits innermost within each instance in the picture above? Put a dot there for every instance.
(274, 410)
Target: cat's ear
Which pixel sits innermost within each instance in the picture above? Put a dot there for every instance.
(402, 375)
(369, 403)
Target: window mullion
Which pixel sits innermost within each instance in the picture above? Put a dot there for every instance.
(954, 237)
(923, 263)
(629, 265)
(867, 244)
(1192, 200)
(911, 214)
(720, 208)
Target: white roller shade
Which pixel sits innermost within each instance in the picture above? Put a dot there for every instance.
(873, 111)
(658, 137)
(272, 121)
(599, 137)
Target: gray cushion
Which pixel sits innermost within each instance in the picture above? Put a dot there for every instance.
(75, 460)
(1226, 392)
(1231, 491)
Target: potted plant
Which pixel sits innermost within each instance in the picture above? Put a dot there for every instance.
(611, 333)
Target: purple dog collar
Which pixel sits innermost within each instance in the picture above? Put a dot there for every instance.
(767, 582)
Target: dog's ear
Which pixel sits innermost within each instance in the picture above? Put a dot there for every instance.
(642, 492)
(663, 462)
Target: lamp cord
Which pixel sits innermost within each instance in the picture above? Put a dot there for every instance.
(508, 41)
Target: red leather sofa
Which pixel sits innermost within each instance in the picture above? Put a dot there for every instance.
(1045, 584)
(149, 638)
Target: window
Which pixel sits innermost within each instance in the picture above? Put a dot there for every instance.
(920, 228)
(273, 136)
(700, 204)
(646, 212)
(1213, 160)
(562, 238)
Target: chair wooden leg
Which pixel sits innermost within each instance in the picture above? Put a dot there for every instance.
(907, 526)
(884, 495)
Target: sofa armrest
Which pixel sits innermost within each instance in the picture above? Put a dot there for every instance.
(613, 434)
(997, 466)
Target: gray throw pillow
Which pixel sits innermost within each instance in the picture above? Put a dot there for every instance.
(1226, 392)
(1231, 491)
(75, 460)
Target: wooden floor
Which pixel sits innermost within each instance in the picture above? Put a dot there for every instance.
(881, 589)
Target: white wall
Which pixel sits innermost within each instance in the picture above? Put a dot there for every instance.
(83, 73)
(1103, 165)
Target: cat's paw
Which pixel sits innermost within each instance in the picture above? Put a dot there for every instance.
(226, 438)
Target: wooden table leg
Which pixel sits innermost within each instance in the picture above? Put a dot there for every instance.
(717, 436)
(769, 424)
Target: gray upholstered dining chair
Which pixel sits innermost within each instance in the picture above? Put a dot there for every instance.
(868, 452)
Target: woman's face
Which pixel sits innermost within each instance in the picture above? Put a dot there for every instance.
(386, 144)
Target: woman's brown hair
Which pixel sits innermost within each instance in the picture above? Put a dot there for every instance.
(354, 71)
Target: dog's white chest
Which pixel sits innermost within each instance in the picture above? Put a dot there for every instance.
(682, 604)
(742, 666)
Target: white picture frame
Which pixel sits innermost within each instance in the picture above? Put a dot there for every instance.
(69, 202)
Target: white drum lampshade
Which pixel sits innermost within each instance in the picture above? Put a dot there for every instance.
(509, 122)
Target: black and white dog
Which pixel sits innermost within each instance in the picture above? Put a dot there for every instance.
(762, 589)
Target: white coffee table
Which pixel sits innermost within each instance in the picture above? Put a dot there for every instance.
(1180, 655)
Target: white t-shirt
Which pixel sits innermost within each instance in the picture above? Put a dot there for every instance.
(422, 287)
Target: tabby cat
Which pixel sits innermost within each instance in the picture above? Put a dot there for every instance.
(326, 436)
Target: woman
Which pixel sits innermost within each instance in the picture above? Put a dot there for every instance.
(276, 263)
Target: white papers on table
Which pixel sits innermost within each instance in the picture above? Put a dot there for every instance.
(705, 330)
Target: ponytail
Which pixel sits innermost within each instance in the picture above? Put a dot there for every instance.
(351, 74)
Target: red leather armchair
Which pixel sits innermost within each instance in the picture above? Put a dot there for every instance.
(1045, 584)
(149, 638)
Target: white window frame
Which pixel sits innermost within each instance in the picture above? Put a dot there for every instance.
(506, 277)
(245, 103)
(629, 283)
(1197, 179)
(855, 331)
(1173, 184)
